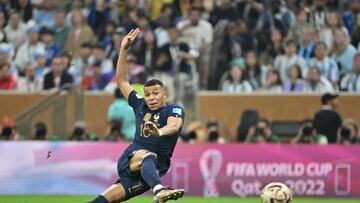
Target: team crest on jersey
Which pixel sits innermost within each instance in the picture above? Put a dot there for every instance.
(147, 117)
(156, 117)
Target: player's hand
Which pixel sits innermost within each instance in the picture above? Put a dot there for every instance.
(130, 38)
(151, 128)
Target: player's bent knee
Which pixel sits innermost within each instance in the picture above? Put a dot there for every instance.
(137, 159)
(149, 154)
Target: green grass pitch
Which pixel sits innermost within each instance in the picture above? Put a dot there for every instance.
(148, 199)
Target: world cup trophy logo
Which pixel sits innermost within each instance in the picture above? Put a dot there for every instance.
(210, 165)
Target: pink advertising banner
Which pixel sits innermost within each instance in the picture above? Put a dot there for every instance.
(202, 169)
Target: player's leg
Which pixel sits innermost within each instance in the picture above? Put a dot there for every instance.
(114, 193)
(145, 162)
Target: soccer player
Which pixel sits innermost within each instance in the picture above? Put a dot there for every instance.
(157, 126)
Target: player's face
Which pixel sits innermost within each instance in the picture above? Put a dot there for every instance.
(154, 97)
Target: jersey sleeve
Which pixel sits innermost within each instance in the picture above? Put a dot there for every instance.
(176, 111)
(134, 99)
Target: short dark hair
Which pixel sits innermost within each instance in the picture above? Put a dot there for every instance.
(153, 82)
(290, 42)
(319, 43)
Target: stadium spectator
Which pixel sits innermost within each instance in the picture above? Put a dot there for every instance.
(213, 133)
(296, 82)
(273, 82)
(236, 83)
(161, 33)
(79, 132)
(61, 30)
(106, 36)
(175, 63)
(7, 81)
(6, 53)
(121, 112)
(274, 48)
(261, 133)
(40, 63)
(113, 52)
(44, 14)
(317, 83)
(351, 81)
(343, 52)
(327, 66)
(255, 73)
(98, 56)
(349, 133)
(81, 64)
(146, 51)
(51, 48)
(202, 132)
(355, 35)
(307, 135)
(77, 5)
(130, 15)
(328, 121)
(2, 27)
(15, 30)
(80, 33)
(327, 34)
(96, 80)
(282, 17)
(58, 76)
(30, 82)
(100, 15)
(114, 133)
(40, 131)
(25, 8)
(307, 46)
(246, 39)
(283, 62)
(198, 34)
(8, 130)
(296, 32)
(223, 11)
(25, 52)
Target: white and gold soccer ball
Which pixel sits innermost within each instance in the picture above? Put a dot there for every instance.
(276, 193)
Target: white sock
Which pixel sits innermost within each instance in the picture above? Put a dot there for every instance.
(157, 187)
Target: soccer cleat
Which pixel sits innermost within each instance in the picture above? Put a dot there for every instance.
(166, 194)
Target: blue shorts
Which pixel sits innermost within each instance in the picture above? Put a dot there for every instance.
(133, 183)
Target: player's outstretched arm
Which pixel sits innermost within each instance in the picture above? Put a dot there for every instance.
(173, 126)
(122, 74)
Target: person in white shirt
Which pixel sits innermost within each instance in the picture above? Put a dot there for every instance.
(25, 52)
(30, 83)
(15, 30)
(195, 31)
(351, 81)
(327, 66)
(98, 56)
(236, 82)
(283, 62)
(198, 34)
(317, 83)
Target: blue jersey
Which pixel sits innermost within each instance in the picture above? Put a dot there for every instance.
(163, 146)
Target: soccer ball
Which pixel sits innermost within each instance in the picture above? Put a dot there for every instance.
(276, 193)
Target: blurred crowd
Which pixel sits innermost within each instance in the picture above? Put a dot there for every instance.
(233, 46)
